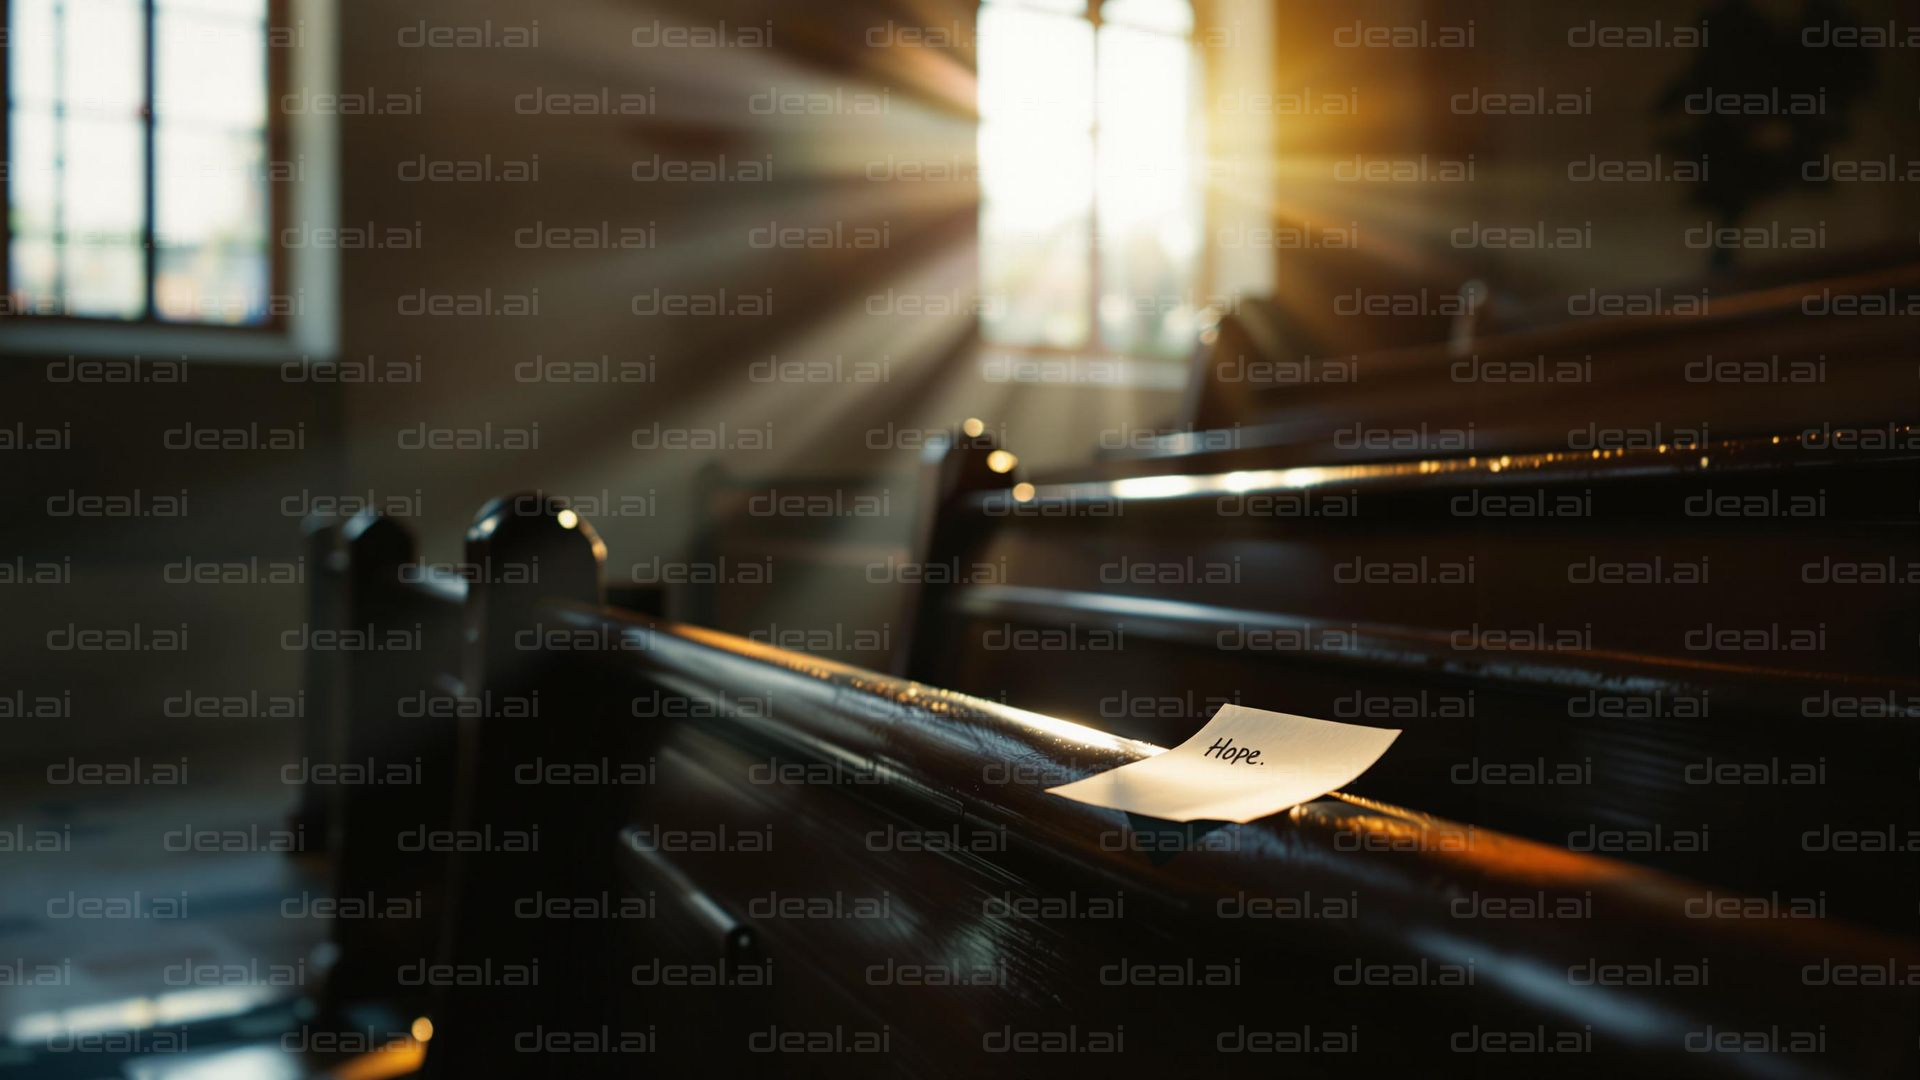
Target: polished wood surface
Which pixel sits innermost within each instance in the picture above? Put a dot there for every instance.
(1616, 575)
(1829, 353)
(764, 853)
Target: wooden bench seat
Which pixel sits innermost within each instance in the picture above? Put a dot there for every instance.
(866, 862)
(1834, 353)
(1635, 614)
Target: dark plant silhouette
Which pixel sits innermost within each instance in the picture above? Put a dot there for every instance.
(1754, 156)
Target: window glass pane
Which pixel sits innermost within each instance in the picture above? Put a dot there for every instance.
(210, 188)
(212, 227)
(105, 63)
(34, 267)
(1035, 239)
(212, 203)
(77, 170)
(100, 180)
(234, 9)
(1064, 7)
(1148, 213)
(1037, 67)
(101, 207)
(104, 279)
(1036, 176)
(31, 52)
(31, 172)
(209, 71)
(76, 179)
(213, 284)
(1167, 16)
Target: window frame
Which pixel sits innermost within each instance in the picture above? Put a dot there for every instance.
(1092, 347)
(279, 24)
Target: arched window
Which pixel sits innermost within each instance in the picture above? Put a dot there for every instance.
(1090, 218)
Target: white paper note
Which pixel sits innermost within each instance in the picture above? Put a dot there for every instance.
(1244, 764)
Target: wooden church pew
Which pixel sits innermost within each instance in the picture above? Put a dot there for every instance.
(379, 759)
(1830, 351)
(865, 863)
(1767, 718)
(1664, 619)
